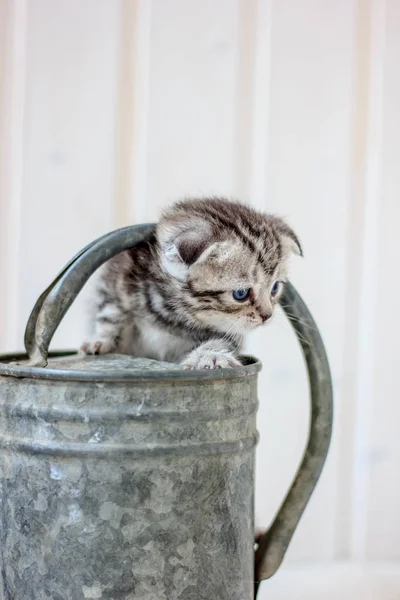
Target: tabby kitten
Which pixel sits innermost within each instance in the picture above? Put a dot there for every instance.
(213, 271)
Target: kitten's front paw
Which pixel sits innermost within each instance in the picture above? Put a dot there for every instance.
(210, 360)
(98, 347)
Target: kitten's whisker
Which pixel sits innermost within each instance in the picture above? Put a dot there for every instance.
(303, 340)
(284, 323)
(233, 331)
(231, 334)
(235, 325)
(293, 318)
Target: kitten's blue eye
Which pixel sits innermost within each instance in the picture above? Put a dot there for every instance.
(275, 288)
(241, 295)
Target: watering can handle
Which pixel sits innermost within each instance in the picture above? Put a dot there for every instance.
(273, 545)
(54, 302)
(58, 297)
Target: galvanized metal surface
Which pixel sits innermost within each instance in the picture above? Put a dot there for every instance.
(80, 433)
(127, 491)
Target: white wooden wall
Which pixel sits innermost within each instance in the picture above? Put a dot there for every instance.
(112, 108)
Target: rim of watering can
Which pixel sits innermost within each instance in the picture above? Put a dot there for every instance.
(251, 366)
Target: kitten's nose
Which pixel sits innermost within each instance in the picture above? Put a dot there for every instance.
(265, 316)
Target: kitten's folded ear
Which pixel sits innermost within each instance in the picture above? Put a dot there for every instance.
(289, 239)
(182, 241)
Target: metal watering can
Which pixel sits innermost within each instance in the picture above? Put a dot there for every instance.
(128, 479)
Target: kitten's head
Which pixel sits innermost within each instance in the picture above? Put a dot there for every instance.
(230, 260)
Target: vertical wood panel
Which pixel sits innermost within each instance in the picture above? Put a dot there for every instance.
(3, 154)
(356, 219)
(192, 100)
(312, 51)
(127, 42)
(382, 455)
(13, 65)
(360, 359)
(244, 96)
(134, 75)
(259, 109)
(69, 141)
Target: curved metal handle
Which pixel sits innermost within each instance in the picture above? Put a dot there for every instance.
(273, 545)
(52, 305)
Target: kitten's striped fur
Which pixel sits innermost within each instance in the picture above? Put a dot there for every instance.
(171, 298)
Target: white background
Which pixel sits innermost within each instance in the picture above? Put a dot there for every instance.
(110, 109)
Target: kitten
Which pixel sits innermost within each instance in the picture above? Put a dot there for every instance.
(213, 271)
